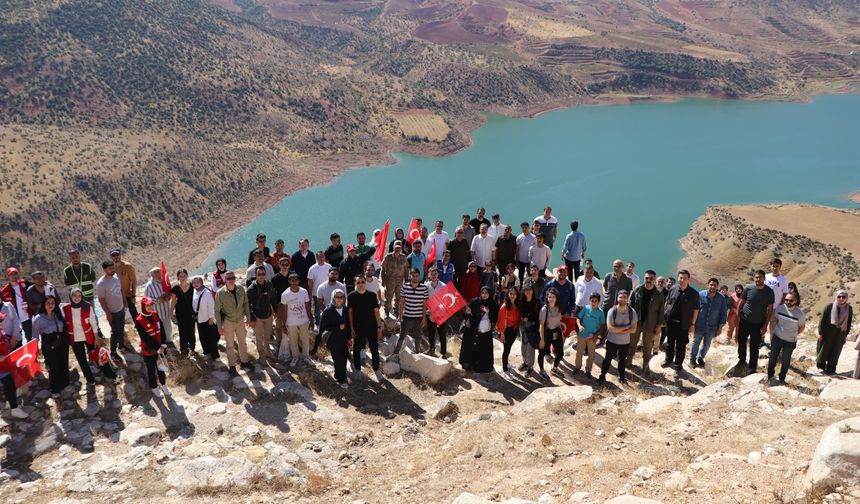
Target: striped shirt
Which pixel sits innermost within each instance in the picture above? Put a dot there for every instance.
(413, 298)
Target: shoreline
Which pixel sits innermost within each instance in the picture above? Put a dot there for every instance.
(191, 251)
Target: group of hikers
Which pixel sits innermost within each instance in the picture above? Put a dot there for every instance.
(343, 297)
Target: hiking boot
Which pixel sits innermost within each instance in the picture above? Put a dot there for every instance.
(557, 372)
(693, 364)
(233, 372)
(701, 362)
(522, 367)
(543, 374)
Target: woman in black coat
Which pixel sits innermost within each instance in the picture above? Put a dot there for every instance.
(476, 352)
(833, 329)
(335, 321)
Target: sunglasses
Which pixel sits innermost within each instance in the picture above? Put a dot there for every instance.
(231, 279)
(841, 297)
(360, 282)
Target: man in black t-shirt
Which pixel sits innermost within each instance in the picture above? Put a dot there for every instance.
(280, 283)
(681, 311)
(261, 244)
(334, 252)
(366, 325)
(755, 310)
(478, 220)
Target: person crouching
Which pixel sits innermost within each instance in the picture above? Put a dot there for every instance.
(152, 344)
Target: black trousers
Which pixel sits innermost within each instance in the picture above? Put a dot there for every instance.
(338, 345)
(187, 340)
(132, 309)
(80, 348)
(55, 349)
(431, 330)
(152, 371)
(522, 269)
(556, 342)
(618, 352)
(27, 325)
(209, 339)
(676, 343)
(511, 334)
(10, 391)
(574, 267)
(365, 338)
(747, 330)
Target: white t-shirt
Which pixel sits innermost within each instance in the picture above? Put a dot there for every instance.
(634, 278)
(482, 248)
(495, 232)
(318, 274)
(441, 240)
(372, 285)
(297, 313)
(779, 286)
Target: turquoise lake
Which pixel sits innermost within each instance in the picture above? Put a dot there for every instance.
(634, 176)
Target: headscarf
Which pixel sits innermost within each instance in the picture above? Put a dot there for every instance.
(83, 302)
(335, 293)
(202, 283)
(839, 314)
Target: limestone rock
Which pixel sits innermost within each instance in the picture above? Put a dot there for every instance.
(208, 471)
(545, 397)
(390, 368)
(295, 390)
(216, 409)
(135, 435)
(840, 390)
(629, 499)
(432, 369)
(837, 456)
(657, 405)
(677, 481)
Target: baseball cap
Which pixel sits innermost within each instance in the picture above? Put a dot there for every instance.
(350, 247)
(146, 301)
(562, 268)
(115, 251)
(11, 270)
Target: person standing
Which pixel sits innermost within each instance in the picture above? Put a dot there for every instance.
(509, 281)
(574, 250)
(506, 249)
(261, 245)
(416, 259)
(469, 232)
(709, 323)
(586, 285)
(621, 322)
(460, 251)
(836, 320)
(756, 308)
(470, 286)
(779, 285)
(81, 327)
(412, 313)
(39, 291)
(490, 279)
(259, 261)
(182, 308)
(508, 324)
(203, 304)
(301, 262)
(334, 252)
(155, 292)
(318, 275)
(590, 321)
(440, 237)
(231, 314)
(394, 268)
(613, 283)
(365, 325)
(371, 283)
(550, 333)
(15, 292)
(529, 308)
(476, 351)
(525, 241)
(353, 265)
(361, 246)
(565, 292)
(11, 325)
(548, 226)
(790, 322)
(445, 268)
(479, 220)
(7, 344)
(482, 248)
(681, 312)
(218, 275)
(540, 255)
(298, 319)
(50, 328)
(399, 236)
(81, 275)
(334, 321)
(323, 297)
(733, 316)
(152, 344)
(128, 278)
(261, 300)
(647, 301)
(112, 299)
(280, 283)
(535, 281)
(274, 260)
(495, 228)
(432, 329)
(634, 278)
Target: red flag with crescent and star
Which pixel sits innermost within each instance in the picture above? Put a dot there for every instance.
(568, 326)
(431, 256)
(23, 363)
(380, 241)
(446, 302)
(165, 279)
(414, 233)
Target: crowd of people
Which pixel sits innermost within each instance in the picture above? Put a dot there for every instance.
(342, 296)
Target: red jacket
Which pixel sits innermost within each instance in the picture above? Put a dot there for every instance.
(89, 333)
(470, 286)
(151, 333)
(508, 318)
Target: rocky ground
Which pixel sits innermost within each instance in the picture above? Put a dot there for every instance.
(437, 434)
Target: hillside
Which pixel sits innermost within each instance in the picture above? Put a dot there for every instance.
(195, 115)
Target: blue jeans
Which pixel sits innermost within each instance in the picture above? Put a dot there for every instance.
(778, 345)
(699, 353)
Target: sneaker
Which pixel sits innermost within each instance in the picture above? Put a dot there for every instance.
(522, 368)
(379, 376)
(247, 365)
(701, 362)
(344, 385)
(156, 393)
(18, 413)
(693, 364)
(166, 390)
(782, 381)
(557, 372)
(294, 363)
(233, 372)
(543, 375)
(308, 361)
(623, 381)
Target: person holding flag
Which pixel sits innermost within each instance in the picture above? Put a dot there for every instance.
(155, 290)
(414, 232)
(417, 259)
(7, 343)
(435, 327)
(15, 292)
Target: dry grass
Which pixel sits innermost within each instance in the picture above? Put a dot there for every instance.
(544, 28)
(317, 483)
(183, 371)
(423, 124)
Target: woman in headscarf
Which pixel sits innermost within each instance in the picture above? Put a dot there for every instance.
(7, 344)
(399, 235)
(82, 326)
(529, 308)
(476, 353)
(203, 307)
(792, 289)
(152, 344)
(49, 328)
(219, 276)
(335, 321)
(832, 331)
(183, 312)
(155, 292)
(470, 284)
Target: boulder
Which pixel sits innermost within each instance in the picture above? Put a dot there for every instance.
(677, 481)
(135, 435)
(216, 409)
(390, 368)
(542, 398)
(208, 472)
(629, 499)
(657, 405)
(840, 390)
(837, 457)
(432, 369)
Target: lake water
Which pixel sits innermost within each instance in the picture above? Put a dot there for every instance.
(635, 176)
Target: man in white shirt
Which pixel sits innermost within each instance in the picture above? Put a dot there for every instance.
(496, 229)
(525, 240)
(318, 275)
(259, 260)
(779, 285)
(440, 238)
(586, 285)
(483, 247)
(631, 275)
(540, 255)
(298, 319)
(371, 283)
(548, 226)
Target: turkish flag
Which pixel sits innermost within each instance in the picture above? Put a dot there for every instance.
(431, 256)
(446, 302)
(414, 233)
(568, 326)
(165, 279)
(380, 241)
(23, 363)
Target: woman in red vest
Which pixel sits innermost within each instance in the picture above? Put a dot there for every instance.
(6, 346)
(152, 344)
(81, 326)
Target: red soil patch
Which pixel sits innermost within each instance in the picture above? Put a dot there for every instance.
(478, 24)
(486, 14)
